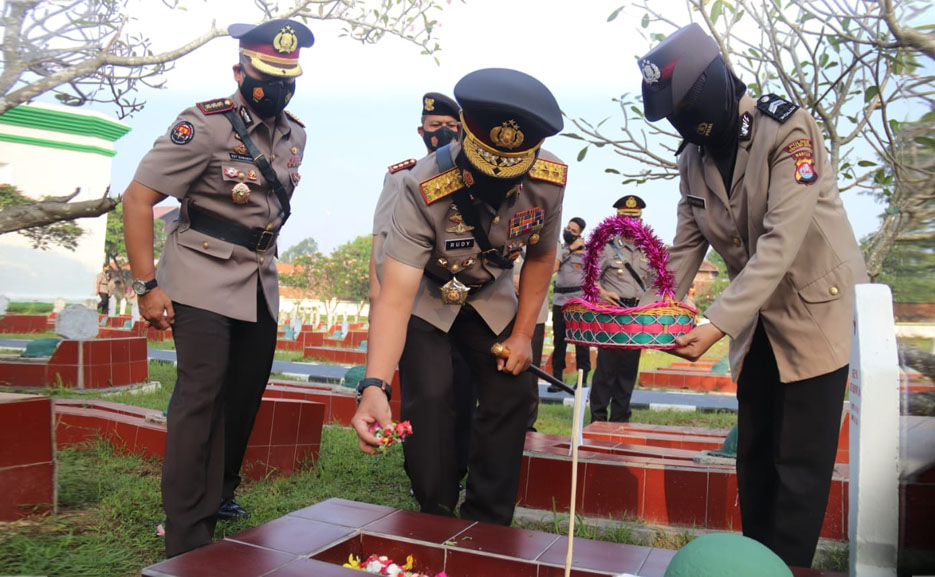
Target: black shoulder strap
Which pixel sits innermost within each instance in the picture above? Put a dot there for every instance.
(268, 173)
(462, 200)
(626, 264)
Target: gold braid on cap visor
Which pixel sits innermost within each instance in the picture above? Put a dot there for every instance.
(494, 163)
(265, 63)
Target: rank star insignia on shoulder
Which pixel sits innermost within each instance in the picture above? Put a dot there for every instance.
(438, 187)
(776, 107)
(294, 118)
(215, 106)
(404, 165)
(548, 171)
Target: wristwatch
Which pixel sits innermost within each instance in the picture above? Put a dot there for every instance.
(372, 382)
(141, 287)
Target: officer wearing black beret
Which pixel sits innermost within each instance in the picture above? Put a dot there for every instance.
(463, 216)
(233, 163)
(625, 274)
(757, 187)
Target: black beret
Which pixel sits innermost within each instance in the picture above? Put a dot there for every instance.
(671, 68)
(629, 204)
(506, 114)
(439, 104)
(273, 47)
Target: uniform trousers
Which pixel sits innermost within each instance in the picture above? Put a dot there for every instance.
(787, 443)
(223, 367)
(582, 352)
(498, 433)
(613, 383)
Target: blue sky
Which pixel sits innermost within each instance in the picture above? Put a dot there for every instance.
(361, 106)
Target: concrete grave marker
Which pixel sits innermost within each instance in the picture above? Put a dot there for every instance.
(873, 516)
(4, 303)
(78, 323)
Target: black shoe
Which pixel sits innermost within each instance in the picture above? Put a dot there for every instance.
(554, 389)
(230, 510)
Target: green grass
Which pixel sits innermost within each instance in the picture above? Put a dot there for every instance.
(28, 336)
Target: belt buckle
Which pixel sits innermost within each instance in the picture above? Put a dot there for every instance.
(269, 236)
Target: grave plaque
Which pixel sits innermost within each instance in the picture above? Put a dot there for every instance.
(76, 322)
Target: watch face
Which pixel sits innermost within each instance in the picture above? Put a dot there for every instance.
(139, 287)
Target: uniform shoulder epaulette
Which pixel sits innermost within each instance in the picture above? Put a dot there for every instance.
(215, 106)
(294, 118)
(776, 107)
(438, 187)
(548, 171)
(394, 168)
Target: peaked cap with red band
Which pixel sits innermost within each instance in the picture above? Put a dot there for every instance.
(671, 68)
(273, 47)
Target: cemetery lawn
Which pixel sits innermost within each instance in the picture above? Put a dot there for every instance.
(109, 505)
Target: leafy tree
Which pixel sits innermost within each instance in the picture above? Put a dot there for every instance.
(85, 51)
(305, 246)
(854, 65)
(64, 234)
(352, 261)
(115, 249)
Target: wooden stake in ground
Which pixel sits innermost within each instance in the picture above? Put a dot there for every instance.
(575, 428)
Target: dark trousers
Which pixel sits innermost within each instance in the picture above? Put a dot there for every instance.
(223, 368)
(498, 433)
(613, 383)
(104, 304)
(538, 341)
(582, 352)
(787, 443)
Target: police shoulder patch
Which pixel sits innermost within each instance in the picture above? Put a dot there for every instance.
(294, 118)
(404, 165)
(776, 107)
(215, 106)
(548, 171)
(438, 187)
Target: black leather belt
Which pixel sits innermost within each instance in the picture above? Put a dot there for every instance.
(566, 289)
(255, 239)
(629, 302)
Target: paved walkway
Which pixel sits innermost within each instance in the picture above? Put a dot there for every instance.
(315, 372)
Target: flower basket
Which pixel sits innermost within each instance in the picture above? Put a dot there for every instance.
(651, 326)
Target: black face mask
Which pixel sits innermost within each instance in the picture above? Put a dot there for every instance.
(267, 97)
(708, 115)
(438, 138)
(569, 236)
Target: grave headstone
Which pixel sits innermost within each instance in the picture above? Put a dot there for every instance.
(59, 305)
(873, 522)
(78, 323)
(4, 304)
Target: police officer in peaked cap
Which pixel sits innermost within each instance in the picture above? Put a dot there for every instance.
(757, 187)
(463, 216)
(215, 284)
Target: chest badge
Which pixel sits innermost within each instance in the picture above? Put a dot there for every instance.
(454, 292)
(240, 194)
(459, 227)
(241, 149)
(231, 172)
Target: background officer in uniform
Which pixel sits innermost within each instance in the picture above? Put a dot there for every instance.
(569, 266)
(439, 126)
(217, 285)
(625, 274)
(757, 186)
(498, 189)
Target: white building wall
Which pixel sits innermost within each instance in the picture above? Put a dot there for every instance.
(40, 167)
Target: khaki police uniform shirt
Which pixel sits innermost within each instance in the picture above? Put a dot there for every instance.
(383, 214)
(570, 274)
(614, 274)
(199, 270)
(419, 236)
(790, 251)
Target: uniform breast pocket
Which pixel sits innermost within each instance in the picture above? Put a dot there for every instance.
(829, 287)
(204, 244)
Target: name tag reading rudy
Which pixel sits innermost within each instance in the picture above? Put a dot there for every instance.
(459, 243)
